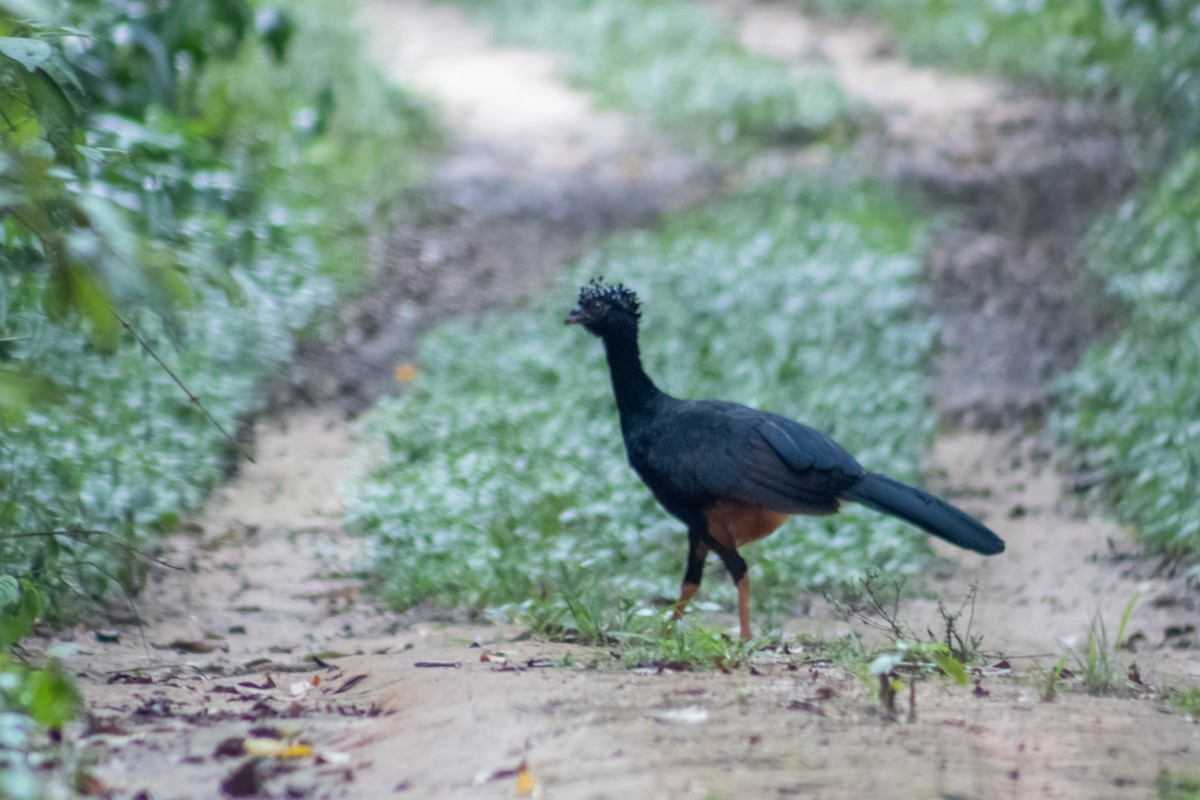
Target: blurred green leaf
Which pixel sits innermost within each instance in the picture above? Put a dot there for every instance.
(10, 591)
(54, 113)
(19, 392)
(948, 664)
(17, 618)
(29, 10)
(30, 53)
(52, 699)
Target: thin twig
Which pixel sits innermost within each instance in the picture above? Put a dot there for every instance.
(137, 615)
(194, 400)
(76, 533)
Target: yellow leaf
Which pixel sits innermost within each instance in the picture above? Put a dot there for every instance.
(276, 748)
(525, 784)
(405, 372)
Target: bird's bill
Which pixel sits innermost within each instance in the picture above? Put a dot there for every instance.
(576, 316)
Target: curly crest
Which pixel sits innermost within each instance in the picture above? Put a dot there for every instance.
(619, 295)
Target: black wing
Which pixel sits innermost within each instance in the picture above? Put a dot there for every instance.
(700, 451)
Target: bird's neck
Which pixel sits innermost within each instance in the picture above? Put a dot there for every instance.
(631, 385)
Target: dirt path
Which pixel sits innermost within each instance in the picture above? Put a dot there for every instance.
(269, 574)
(535, 176)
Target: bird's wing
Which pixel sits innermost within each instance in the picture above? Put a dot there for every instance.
(706, 450)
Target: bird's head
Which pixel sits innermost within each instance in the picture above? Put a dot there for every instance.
(604, 309)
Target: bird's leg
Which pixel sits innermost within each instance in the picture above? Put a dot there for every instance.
(743, 589)
(697, 552)
(737, 570)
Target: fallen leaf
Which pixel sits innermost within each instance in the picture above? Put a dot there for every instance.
(805, 705)
(97, 726)
(88, 785)
(265, 732)
(245, 781)
(350, 683)
(405, 372)
(443, 664)
(230, 748)
(122, 677)
(524, 784)
(276, 748)
(269, 683)
(194, 646)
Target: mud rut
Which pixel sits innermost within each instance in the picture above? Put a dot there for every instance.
(536, 176)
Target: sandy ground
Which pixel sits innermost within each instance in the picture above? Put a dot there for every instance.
(447, 709)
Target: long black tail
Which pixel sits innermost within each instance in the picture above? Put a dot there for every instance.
(925, 511)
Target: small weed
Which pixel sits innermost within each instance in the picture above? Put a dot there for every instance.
(1174, 787)
(964, 646)
(913, 660)
(878, 607)
(1050, 690)
(1097, 664)
(687, 645)
(1187, 701)
(586, 617)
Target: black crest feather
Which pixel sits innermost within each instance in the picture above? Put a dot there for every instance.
(619, 295)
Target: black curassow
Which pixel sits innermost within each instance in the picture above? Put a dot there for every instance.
(733, 474)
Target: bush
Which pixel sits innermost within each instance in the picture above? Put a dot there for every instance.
(207, 174)
(1132, 408)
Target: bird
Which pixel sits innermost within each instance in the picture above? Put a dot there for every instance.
(733, 474)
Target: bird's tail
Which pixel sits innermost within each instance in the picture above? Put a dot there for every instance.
(925, 511)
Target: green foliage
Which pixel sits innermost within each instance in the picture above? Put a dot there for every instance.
(1186, 701)
(1099, 669)
(32, 701)
(1132, 407)
(685, 645)
(20, 607)
(671, 62)
(920, 656)
(1053, 676)
(501, 478)
(210, 171)
(1176, 787)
